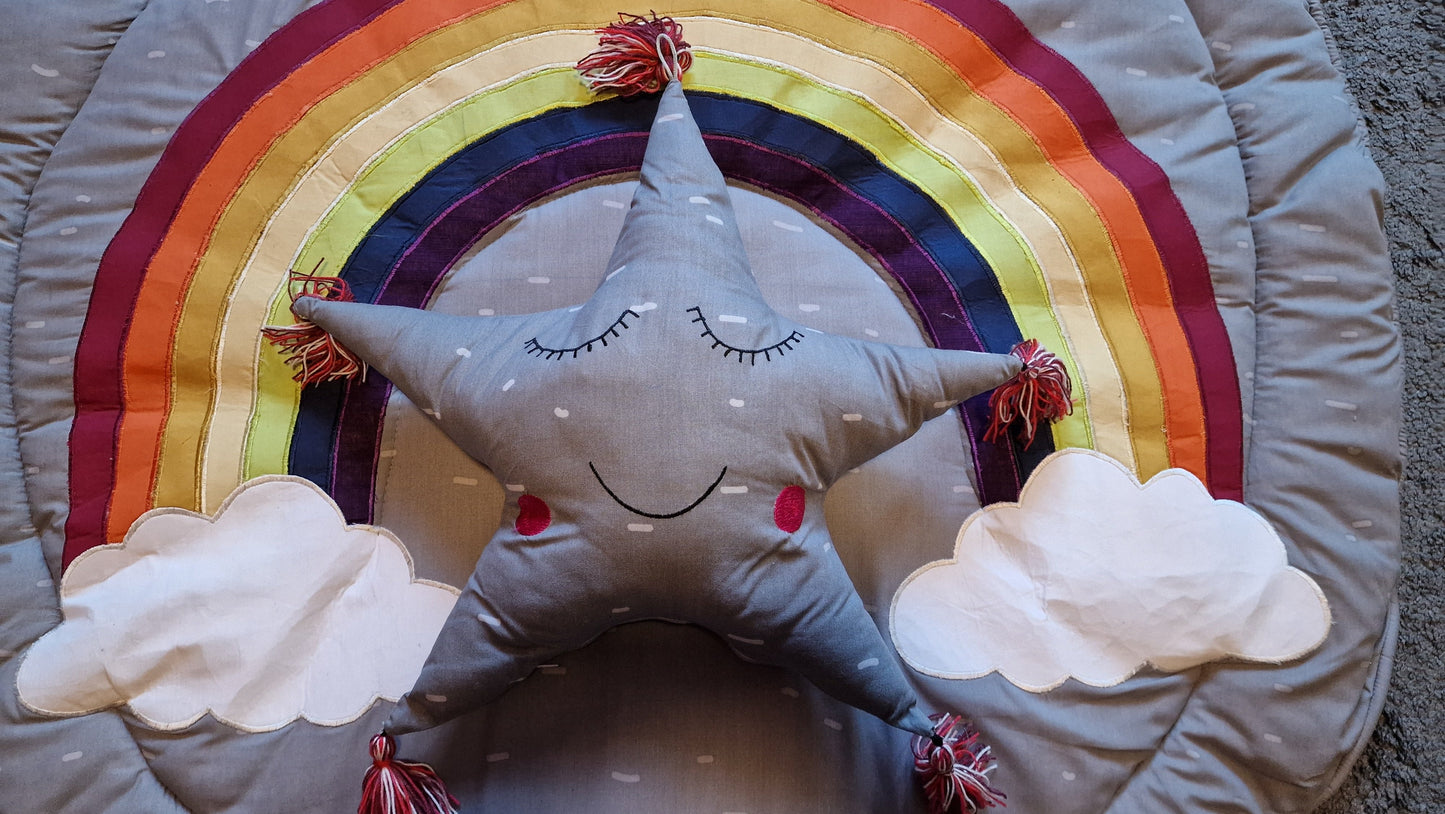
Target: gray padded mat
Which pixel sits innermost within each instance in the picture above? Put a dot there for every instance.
(1247, 116)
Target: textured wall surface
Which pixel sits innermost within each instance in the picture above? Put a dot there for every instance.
(1393, 54)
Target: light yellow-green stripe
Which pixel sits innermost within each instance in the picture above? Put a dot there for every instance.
(408, 161)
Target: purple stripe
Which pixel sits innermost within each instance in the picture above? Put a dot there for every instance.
(443, 242)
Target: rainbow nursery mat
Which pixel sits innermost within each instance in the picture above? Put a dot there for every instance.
(215, 583)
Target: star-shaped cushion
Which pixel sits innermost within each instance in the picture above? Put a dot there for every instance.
(674, 438)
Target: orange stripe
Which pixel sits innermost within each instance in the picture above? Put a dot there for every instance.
(1058, 138)
(149, 349)
(168, 277)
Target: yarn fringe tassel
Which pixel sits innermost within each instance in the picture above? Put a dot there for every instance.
(1040, 394)
(401, 787)
(954, 767)
(636, 55)
(309, 350)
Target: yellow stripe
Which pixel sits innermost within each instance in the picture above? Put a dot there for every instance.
(1059, 269)
(1106, 290)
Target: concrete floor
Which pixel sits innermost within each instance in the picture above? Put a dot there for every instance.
(1393, 55)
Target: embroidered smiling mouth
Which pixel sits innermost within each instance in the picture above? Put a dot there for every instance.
(624, 504)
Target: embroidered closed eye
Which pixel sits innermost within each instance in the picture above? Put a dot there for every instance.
(613, 331)
(746, 354)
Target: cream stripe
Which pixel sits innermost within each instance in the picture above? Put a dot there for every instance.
(320, 189)
(307, 262)
(961, 150)
(280, 239)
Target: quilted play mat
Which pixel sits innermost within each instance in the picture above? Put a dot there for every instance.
(666, 475)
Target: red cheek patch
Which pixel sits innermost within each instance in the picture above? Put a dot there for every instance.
(533, 516)
(788, 509)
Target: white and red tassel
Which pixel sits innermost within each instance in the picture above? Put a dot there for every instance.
(1040, 394)
(636, 55)
(401, 787)
(954, 767)
(312, 352)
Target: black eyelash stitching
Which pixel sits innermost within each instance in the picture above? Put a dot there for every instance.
(781, 348)
(535, 348)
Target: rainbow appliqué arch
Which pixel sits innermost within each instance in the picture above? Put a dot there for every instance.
(978, 167)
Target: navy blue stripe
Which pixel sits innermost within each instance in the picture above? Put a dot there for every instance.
(314, 444)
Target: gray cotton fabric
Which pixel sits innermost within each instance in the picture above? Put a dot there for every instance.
(1238, 103)
(722, 525)
(51, 63)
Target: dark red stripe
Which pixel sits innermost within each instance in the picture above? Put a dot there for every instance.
(99, 356)
(1169, 226)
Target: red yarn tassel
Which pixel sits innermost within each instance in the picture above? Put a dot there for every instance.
(1040, 394)
(401, 787)
(311, 351)
(954, 767)
(636, 55)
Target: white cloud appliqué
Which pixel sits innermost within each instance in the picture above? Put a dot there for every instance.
(272, 611)
(1091, 576)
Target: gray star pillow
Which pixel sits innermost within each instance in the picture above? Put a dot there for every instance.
(675, 437)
